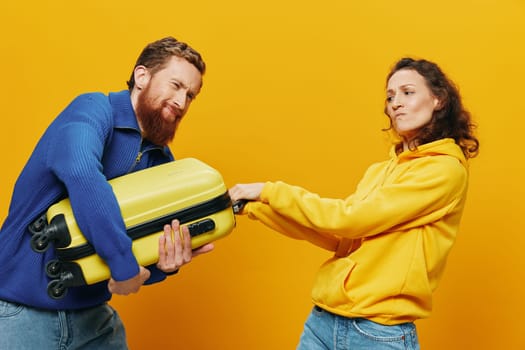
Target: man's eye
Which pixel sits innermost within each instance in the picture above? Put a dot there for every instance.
(409, 92)
(389, 98)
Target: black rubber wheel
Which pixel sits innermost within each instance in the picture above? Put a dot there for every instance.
(53, 268)
(56, 289)
(39, 243)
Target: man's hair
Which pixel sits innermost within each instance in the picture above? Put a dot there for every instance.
(156, 55)
(450, 120)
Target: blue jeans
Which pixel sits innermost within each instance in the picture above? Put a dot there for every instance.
(326, 331)
(24, 327)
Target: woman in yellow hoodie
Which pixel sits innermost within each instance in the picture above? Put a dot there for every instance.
(391, 237)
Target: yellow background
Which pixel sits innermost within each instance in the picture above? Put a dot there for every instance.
(294, 91)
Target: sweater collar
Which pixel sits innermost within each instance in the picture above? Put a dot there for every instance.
(125, 118)
(123, 112)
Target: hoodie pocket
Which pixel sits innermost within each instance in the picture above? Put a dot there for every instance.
(330, 284)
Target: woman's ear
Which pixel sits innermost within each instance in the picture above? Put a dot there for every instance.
(437, 104)
(142, 77)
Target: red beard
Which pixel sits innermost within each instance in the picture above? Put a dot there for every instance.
(155, 127)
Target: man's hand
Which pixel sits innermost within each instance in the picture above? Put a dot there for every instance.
(175, 248)
(131, 285)
(174, 252)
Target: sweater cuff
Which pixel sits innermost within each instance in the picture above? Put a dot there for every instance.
(157, 275)
(123, 267)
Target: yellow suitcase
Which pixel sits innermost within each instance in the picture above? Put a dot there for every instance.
(187, 189)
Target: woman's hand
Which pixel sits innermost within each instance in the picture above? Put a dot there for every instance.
(250, 191)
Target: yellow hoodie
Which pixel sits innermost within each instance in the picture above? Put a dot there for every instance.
(391, 237)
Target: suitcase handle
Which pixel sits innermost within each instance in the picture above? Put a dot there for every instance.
(238, 205)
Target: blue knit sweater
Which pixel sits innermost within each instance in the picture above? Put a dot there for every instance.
(96, 138)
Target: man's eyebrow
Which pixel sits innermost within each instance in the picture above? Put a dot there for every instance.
(179, 82)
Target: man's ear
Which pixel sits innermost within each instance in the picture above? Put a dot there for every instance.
(142, 77)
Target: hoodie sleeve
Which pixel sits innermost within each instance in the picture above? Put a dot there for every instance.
(272, 219)
(424, 191)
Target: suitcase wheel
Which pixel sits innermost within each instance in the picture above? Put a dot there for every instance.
(39, 225)
(40, 242)
(56, 289)
(53, 268)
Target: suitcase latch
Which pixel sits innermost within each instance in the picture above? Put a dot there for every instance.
(200, 227)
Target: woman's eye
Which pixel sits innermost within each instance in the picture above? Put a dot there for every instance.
(389, 98)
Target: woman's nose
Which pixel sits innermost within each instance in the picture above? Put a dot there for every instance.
(396, 102)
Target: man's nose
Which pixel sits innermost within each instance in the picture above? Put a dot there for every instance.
(180, 99)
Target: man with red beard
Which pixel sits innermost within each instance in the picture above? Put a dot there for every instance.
(96, 138)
